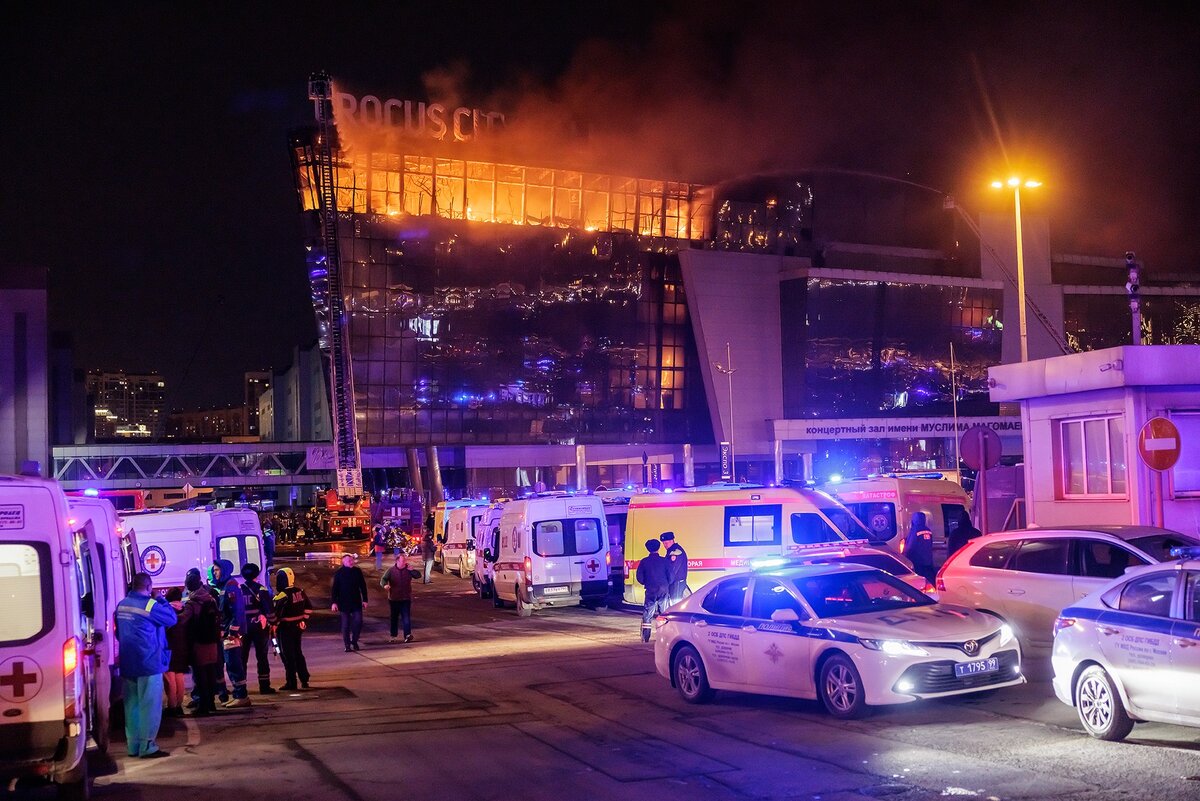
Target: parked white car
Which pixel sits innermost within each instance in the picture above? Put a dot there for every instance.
(1132, 651)
(1027, 576)
(852, 636)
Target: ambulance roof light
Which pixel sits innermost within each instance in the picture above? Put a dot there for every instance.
(1186, 552)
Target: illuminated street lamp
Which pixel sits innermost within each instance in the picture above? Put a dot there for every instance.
(727, 370)
(1016, 184)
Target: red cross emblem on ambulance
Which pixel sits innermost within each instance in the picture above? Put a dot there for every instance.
(20, 679)
(154, 560)
(593, 566)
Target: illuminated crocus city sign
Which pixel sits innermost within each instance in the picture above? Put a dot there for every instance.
(418, 118)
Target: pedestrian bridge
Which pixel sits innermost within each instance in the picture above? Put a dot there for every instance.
(166, 465)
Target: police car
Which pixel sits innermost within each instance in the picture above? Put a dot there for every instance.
(851, 635)
(1131, 651)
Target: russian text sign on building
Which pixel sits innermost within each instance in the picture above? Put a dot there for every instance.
(1159, 444)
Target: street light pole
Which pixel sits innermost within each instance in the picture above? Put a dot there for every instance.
(728, 371)
(1016, 183)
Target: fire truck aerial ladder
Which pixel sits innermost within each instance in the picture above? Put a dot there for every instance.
(341, 379)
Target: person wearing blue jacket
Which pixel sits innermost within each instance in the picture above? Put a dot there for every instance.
(142, 621)
(233, 628)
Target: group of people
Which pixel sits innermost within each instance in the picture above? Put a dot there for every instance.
(207, 629)
(664, 577)
(918, 543)
(348, 593)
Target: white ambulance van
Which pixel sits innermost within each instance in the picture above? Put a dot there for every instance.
(886, 503)
(114, 561)
(173, 542)
(487, 541)
(457, 554)
(44, 674)
(553, 552)
(722, 527)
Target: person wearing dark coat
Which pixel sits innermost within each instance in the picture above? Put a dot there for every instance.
(233, 619)
(259, 615)
(201, 619)
(398, 583)
(677, 563)
(654, 574)
(349, 596)
(292, 610)
(963, 533)
(918, 546)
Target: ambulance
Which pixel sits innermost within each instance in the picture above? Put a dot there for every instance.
(113, 556)
(886, 503)
(616, 514)
(173, 542)
(723, 526)
(45, 629)
(553, 552)
(487, 541)
(456, 553)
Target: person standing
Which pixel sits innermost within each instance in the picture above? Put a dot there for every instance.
(654, 574)
(141, 624)
(918, 546)
(177, 666)
(349, 596)
(677, 567)
(202, 620)
(259, 613)
(292, 610)
(428, 551)
(269, 546)
(233, 630)
(378, 544)
(963, 533)
(398, 583)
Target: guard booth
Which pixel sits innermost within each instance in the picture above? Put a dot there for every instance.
(1092, 454)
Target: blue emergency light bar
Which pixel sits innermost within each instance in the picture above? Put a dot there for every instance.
(1186, 552)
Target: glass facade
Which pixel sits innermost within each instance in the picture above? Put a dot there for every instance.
(1095, 321)
(867, 348)
(494, 304)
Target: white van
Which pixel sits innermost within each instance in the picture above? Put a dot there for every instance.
(173, 542)
(44, 675)
(723, 526)
(114, 559)
(457, 554)
(885, 504)
(553, 552)
(487, 541)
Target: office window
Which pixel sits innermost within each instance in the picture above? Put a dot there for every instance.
(1091, 457)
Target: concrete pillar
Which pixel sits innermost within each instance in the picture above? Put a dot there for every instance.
(689, 466)
(436, 493)
(777, 453)
(808, 467)
(580, 467)
(414, 471)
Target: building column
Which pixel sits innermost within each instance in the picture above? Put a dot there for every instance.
(414, 471)
(777, 453)
(435, 474)
(580, 468)
(689, 466)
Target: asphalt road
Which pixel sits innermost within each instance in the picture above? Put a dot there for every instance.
(566, 705)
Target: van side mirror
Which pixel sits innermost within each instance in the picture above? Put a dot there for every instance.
(785, 616)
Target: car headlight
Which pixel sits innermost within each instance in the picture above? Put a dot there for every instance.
(1006, 634)
(894, 647)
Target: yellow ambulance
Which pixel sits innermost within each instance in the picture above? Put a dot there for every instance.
(886, 504)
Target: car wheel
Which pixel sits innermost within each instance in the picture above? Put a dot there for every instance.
(523, 608)
(1099, 704)
(79, 786)
(497, 601)
(691, 679)
(475, 585)
(462, 568)
(841, 688)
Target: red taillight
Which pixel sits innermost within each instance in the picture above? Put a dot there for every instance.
(608, 558)
(939, 582)
(660, 621)
(528, 570)
(928, 588)
(1063, 623)
(70, 663)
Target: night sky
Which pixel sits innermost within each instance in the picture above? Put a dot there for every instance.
(146, 145)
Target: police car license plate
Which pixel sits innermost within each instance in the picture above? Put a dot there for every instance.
(555, 590)
(990, 665)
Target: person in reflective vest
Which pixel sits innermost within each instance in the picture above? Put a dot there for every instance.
(259, 614)
(141, 625)
(292, 610)
(233, 629)
(918, 546)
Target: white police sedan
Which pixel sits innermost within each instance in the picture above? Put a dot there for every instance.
(852, 636)
(1131, 651)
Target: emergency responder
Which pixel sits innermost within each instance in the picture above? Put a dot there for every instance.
(677, 563)
(379, 545)
(292, 610)
(233, 628)
(918, 547)
(141, 622)
(259, 617)
(653, 573)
